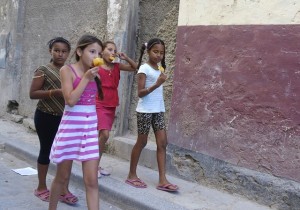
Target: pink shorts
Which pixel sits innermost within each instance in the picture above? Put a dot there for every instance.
(106, 116)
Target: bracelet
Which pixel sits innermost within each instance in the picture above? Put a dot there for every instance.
(50, 93)
(148, 90)
(34, 77)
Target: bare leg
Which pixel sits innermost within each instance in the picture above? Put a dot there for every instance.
(65, 191)
(161, 142)
(103, 137)
(42, 174)
(42, 177)
(61, 178)
(90, 178)
(135, 155)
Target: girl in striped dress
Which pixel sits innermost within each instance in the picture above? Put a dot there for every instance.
(77, 136)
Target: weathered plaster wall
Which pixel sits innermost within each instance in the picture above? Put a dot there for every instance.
(238, 12)
(47, 19)
(157, 19)
(122, 27)
(30, 25)
(26, 29)
(43, 20)
(235, 98)
(11, 15)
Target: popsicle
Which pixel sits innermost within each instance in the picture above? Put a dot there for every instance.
(98, 61)
(161, 69)
(111, 58)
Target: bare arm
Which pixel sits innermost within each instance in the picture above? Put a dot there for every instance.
(130, 66)
(36, 91)
(142, 90)
(72, 95)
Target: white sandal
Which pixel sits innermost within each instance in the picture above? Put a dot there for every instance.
(103, 172)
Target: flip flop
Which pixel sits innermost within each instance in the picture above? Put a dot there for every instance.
(44, 195)
(68, 198)
(138, 183)
(168, 187)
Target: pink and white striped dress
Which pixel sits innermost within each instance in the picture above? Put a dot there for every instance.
(77, 135)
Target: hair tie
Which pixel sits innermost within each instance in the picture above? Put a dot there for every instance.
(146, 44)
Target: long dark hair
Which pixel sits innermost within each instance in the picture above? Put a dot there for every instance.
(82, 43)
(148, 46)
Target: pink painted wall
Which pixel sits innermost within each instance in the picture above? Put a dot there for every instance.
(236, 95)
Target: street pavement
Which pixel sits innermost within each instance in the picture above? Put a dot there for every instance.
(17, 191)
(22, 142)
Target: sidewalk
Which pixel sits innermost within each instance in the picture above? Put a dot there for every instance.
(23, 142)
(17, 191)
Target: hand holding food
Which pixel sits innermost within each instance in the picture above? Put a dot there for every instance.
(161, 79)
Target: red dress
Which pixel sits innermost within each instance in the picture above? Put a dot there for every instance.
(106, 107)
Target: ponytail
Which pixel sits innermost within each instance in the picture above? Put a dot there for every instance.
(163, 63)
(143, 48)
(99, 88)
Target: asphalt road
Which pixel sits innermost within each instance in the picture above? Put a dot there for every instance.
(16, 191)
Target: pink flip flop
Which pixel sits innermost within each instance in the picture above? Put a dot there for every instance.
(44, 195)
(168, 187)
(68, 198)
(138, 183)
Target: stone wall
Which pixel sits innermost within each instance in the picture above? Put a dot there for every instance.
(235, 99)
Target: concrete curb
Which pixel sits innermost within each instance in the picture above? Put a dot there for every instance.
(111, 190)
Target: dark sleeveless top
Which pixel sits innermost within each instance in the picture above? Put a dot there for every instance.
(53, 105)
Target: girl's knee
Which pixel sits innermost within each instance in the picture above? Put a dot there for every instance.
(142, 140)
(142, 143)
(91, 182)
(162, 145)
(104, 135)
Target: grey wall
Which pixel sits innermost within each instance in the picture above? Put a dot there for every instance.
(24, 42)
(47, 19)
(26, 29)
(11, 15)
(157, 19)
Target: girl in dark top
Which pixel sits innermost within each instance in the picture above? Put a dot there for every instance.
(46, 87)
